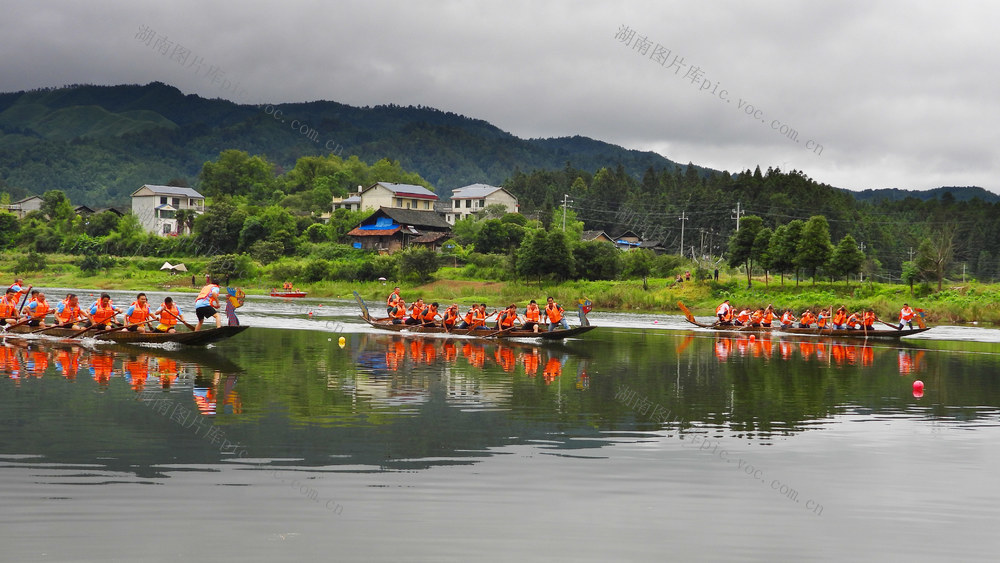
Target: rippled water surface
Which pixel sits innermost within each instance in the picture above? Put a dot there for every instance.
(643, 440)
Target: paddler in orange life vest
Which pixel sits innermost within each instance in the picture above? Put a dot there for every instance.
(868, 319)
(207, 303)
(391, 302)
(787, 319)
(416, 313)
(137, 315)
(168, 313)
(806, 320)
(768, 317)
(507, 317)
(430, 314)
(38, 308)
(103, 313)
(906, 315)
(68, 311)
(18, 287)
(555, 314)
(450, 317)
(398, 314)
(725, 313)
(532, 316)
(743, 318)
(8, 307)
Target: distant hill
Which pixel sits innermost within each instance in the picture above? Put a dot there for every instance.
(100, 143)
(967, 193)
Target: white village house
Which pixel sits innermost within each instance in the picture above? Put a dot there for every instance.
(157, 206)
(389, 194)
(476, 197)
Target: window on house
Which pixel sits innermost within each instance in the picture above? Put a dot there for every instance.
(163, 200)
(166, 228)
(468, 203)
(457, 203)
(407, 205)
(177, 202)
(479, 203)
(427, 205)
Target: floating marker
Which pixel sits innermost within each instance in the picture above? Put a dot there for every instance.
(342, 341)
(752, 338)
(918, 388)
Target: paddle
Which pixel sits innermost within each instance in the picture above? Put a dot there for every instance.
(63, 325)
(17, 324)
(888, 324)
(25, 300)
(117, 328)
(187, 324)
(89, 328)
(499, 332)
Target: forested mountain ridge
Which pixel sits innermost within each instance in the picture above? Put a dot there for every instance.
(99, 143)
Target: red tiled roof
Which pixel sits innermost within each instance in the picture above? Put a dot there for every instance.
(378, 233)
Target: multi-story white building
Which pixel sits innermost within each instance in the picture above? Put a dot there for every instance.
(157, 207)
(475, 197)
(400, 196)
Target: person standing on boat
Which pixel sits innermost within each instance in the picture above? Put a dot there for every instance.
(103, 313)
(168, 313)
(207, 304)
(37, 310)
(68, 311)
(725, 313)
(906, 315)
(18, 287)
(137, 315)
(392, 301)
(532, 316)
(555, 315)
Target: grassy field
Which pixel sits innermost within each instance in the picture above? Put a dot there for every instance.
(955, 304)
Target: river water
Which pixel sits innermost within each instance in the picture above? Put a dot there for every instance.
(642, 440)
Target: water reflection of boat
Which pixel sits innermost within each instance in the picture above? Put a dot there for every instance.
(202, 373)
(838, 352)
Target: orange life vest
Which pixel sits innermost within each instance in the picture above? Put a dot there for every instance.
(41, 309)
(532, 314)
(103, 313)
(139, 313)
(69, 312)
(169, 315)
(554, 312)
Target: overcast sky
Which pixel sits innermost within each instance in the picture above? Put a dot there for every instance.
(854, 94)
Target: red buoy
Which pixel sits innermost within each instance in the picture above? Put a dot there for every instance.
(918, 388)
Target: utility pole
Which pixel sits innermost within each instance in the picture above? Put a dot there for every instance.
(683, 218)
(911, 254)
(862, 272)
(736, 215)
(566, 200)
